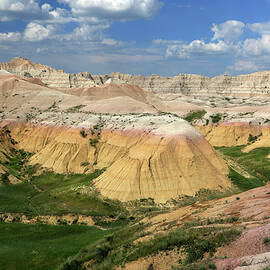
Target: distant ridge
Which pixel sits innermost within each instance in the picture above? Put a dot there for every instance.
(254, 84)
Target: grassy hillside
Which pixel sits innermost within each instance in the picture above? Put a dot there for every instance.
(40, 246)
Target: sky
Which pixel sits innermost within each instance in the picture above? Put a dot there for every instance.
(164, 37)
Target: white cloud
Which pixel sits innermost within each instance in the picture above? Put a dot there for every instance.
(243, 66)
(228, 31)
(197, 47)
(19, 9)
(18, 5)
(89, 32)
(11, 36)
(224, 41)
(257, 46)
(262, 28)
(46, 7)
(29, 10)
(113, 9)
(37, 32)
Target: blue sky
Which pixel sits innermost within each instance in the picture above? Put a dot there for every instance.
(208, 37)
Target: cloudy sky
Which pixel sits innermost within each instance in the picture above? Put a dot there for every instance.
(165, 37)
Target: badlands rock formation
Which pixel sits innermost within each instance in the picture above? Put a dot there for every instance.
(49, 76)
(188, 84)
(159, 157)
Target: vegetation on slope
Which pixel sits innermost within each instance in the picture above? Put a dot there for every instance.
(256, 162)
(244, 183)
(56, 194)
(47, 247)
(195, 115)
(119, 248)
(40, 246)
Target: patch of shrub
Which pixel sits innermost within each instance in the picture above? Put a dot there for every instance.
(93, 141)
(83, 133)
(266, 240)
(195, 115)
(216, 118)
(252, 138)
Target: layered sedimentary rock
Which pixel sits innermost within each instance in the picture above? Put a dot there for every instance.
(20, 96)
(151, 157)
(49, 76)
(188, 84)
(232, 134)
(6, 145)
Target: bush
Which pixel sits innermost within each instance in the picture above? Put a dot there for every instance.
(82, 132)
(216, 118)
(93, 142)
(252, 138)
(266, 240)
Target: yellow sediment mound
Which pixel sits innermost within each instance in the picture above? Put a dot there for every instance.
(230, 134)
(170, 161)
(160, 168)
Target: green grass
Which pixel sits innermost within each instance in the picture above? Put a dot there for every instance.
(244, 183)
(195, 115)
(56, 194)
(40, 247)
(16, 199)
(16, 164)
(119, 248)
(255, 162)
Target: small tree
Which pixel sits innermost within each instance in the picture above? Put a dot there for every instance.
(83, 133)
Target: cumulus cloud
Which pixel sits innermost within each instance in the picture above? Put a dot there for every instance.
(197, 47)
(257, 46)
(37, 32)
(11, 36)
(225, 40)
(262, 28)
(29, 10)
(113, 9)
(20, 9)
(228, 31)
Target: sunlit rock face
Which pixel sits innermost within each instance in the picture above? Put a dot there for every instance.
(153, 157)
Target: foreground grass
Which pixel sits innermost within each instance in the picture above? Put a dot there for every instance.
(118, 248)
(39, 247)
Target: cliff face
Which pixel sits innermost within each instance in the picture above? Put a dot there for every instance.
(170, 160)
(188, 84)
(49, 76)
(232, 134)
